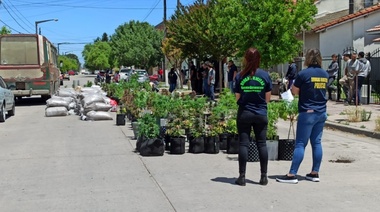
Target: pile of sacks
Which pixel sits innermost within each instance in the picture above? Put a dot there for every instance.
(90, 103)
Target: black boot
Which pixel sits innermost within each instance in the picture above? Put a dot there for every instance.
(263, 179)
(241, 180)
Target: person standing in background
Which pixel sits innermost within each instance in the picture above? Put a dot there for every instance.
(231, 75)
(193, 76)
(291, 74)
(333, 72)
(211, 81)
(172, 80)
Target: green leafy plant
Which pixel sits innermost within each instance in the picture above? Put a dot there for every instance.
(273, 116)
(148, 127)
(88, 84)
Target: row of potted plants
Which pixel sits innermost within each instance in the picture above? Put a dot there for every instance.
(208, 126)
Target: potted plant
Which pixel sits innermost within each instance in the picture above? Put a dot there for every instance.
(197, 131)
(150, 143)
(288, 111)
(174, 128)
(272, 134)
(275, 77)
(120, 116)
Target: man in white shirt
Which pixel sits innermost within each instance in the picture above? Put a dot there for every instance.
(362, 74)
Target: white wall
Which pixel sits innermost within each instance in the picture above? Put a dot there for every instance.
(330, 6)
(349, 34)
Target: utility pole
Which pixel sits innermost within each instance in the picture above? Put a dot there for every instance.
(164, 61)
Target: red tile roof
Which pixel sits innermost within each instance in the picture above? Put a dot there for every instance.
(348, 17)
(377, 40)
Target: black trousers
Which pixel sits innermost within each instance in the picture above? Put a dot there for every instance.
(246, 121)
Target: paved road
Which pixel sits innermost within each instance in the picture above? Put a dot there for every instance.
(64, 164)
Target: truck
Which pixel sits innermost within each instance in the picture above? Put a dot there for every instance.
(29, 65)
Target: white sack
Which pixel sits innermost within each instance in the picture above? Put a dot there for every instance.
(98, 116)
(57, 103)
(56, 111)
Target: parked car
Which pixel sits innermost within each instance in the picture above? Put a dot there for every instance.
(125, 73)
(7, 101)
(153, 77)
(143, 75)
(71, 73)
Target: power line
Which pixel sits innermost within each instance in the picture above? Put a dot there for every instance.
(14, 18)
(89, 7)
(151, 10)
(31, 24)
(9, 26)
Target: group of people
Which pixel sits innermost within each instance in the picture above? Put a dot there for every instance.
(202, 79)
(253, 91)
(357, 69)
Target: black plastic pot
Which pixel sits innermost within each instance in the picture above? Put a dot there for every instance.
(177, 145)
(152, 147)
(196, 145)
(223, 141)
(212, 144)
(233, 144)
(286, 149)
(120, 119)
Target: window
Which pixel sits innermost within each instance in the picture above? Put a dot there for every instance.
(18, 50)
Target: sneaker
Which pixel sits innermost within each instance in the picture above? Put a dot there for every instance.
(263, 179)
(287, 179)
(312, 177)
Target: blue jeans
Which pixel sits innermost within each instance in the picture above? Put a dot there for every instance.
(359, 88)
(231, 86)
(309, 126)
(211, 90)
(172, 87)
(206, 87)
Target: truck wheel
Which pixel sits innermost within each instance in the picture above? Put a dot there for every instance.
(2, 113)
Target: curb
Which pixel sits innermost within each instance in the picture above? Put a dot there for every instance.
(352, 130)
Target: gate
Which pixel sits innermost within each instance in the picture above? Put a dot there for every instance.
(373, 78)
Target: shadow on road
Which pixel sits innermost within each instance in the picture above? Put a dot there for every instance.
(30, 101)
(231, 180)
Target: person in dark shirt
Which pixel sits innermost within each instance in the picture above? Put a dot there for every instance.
(291, 74)
(232, 70)
(333, 72)
(253, 91)
(172, 80)
(310, 85)
(193, 76)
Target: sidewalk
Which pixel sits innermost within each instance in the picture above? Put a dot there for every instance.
(338, 119)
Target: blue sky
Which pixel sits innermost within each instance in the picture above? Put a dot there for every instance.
(80, 21)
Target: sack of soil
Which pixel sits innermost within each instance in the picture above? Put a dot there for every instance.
(56, 111)
(88, 100)
(57, 103)
(97, 106)
(98, 116)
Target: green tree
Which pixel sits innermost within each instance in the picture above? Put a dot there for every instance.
(136, 43)
(269, 25)
(97, 55)
(67, 63)
(4, 30)
(74, 57)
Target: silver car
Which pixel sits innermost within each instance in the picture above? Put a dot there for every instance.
(7, 101)
(143, 75)
(125, 73)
